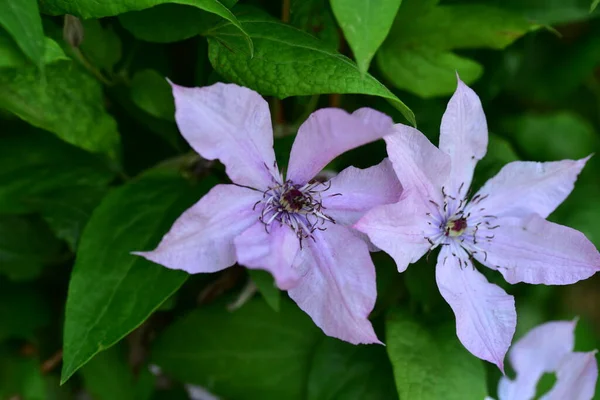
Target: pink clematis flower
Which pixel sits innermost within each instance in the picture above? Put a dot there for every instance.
(295, 227)
(502, 226)
(548, 348)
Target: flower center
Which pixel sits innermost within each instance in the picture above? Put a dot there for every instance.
(456, 227)
(299, 207)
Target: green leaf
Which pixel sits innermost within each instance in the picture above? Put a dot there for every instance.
(550, 12)
(252, 353)
(23, 310)
(430, 363)
(26, 246)
(417, 55)
(170, 22)
(108, 377)
(112, 291)
(594, 5)
(316, 18)
(20, 377)
(151, 92)
(21, 19)
(67, 102)
(102, 46)
(36, 166)
(365, 23)
(12, 57)
(289, 62)
(266, 286)
(426, 71)
(97, 9)
(500, 152)
(342, 371)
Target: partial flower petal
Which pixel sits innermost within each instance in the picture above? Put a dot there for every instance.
(533, 250)
(464, 136)
(355, 191)
(273, 250)
(515, 390)
(338, 289)
(399, 229)
(329, 132)
(576, 378)
(201, 240)
(420, 165)
(485, 315)
(522, 188)
(230, 123)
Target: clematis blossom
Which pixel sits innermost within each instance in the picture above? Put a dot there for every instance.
(548, 348)
(502, 226)
(295, 227)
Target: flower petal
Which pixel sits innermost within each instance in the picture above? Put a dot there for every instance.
(273, 251)
(522, 188)
(201, 239)
(463, 136)
(338, 289)
(398, 229)
(329, 132)
(355, 191)
(533, 250)
(485, 315)
(576, 378)
(419, 165)
(230, 123)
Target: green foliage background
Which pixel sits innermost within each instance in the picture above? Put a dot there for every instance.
(92, 167)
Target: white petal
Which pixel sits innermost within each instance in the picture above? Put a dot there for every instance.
(576, 378)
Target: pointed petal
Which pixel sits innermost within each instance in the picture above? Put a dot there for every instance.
(329, 132)
(232, 124)
(398, 229)
(533, 250)
(273, 251)
(485, 315)
(522, 188)
(355, 191)
(576, 378)
(419, 165)
(463, 136)
(338, 289)
(201, 240)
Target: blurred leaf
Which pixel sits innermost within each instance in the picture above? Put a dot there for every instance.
(23, 310)
(97, 9)
(342, 371)
(252, 353)
(21, 19)
(499, 153)
(20, 377)
(151, 92)
(170, 22)
(365, 23)
(316, 18)
(36, 166)
(289, 62)
(430, 362)
(549, 11)
(108, 377)
(112, 291)
(66, 101)
(417, 55)
(101, 45)
(12, 57)
(26, 245)
(266, 286)
(594, 5)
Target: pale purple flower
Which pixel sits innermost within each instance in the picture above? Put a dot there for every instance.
(548, 348)
(502, 226)
(294, 227)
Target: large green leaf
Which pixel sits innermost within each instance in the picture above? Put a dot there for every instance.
(35, 166)
(12, 57)
(21, 19)
(430, 363)
(66, 101)
(111, 291)
(417, 55)
(97, 9)
(252, 353)
(342, 371)
(289, 62)
(365, 23)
